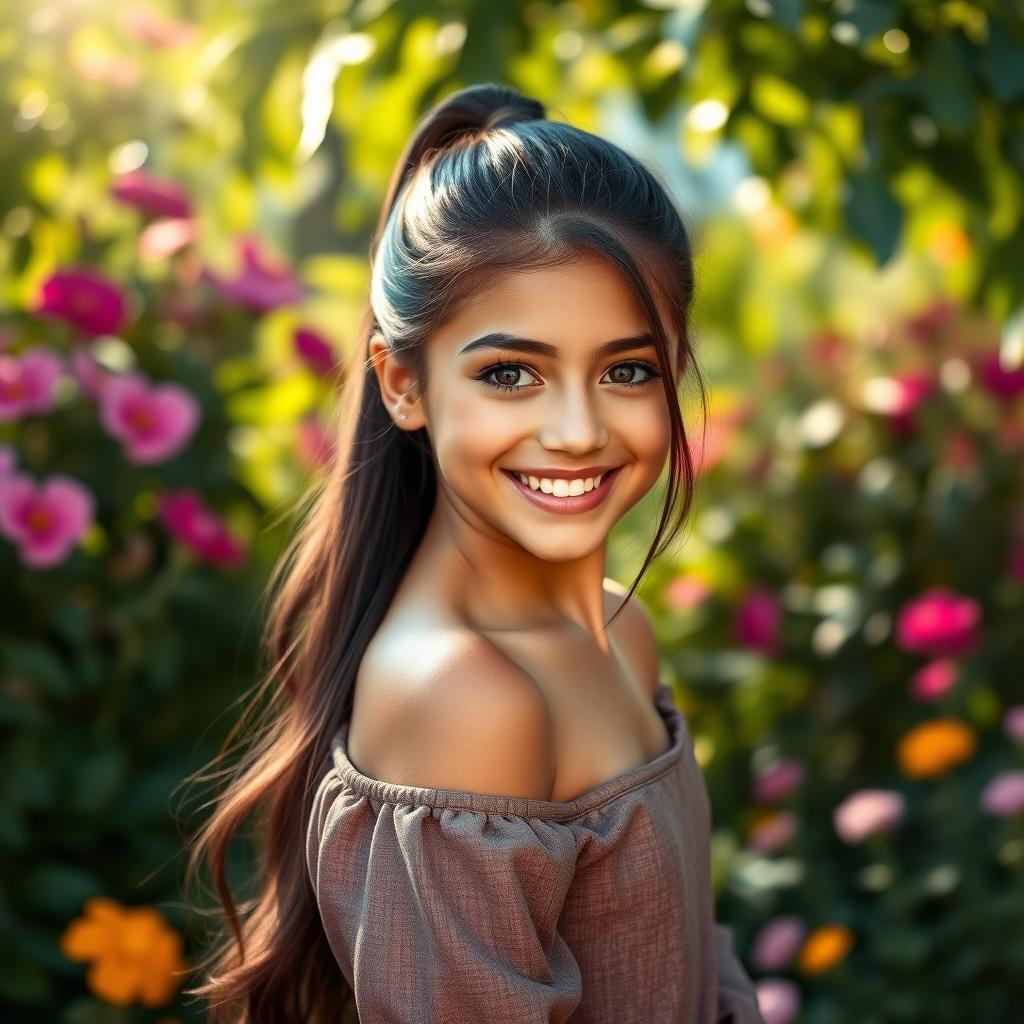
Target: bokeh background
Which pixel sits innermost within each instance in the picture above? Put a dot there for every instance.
(186, 195)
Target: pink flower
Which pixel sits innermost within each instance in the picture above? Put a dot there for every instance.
(866, 812)
(1004, 794)
(778, 1000)
(687, 592)
(165, 237)
(85, 298)
(314, 445)
(158, 197)
(153, 423)
(1003, 383)
(777, 942)
(261, 283)
(757, 620)
(28, 383)
(935, 679)
(1013, 723)
(900, 395)
(44, 520)
(8, 460)
(774, 831)
(188, 518)
(157, 29)
(315, 349)
(938, 623)
(90, 375)
(781, 778)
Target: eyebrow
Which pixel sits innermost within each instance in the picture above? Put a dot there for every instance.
(510, 343)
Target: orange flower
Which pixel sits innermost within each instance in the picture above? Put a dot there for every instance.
(824, 948)
(135, 953)
(932, 748)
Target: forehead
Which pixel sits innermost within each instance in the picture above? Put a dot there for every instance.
(582, 303)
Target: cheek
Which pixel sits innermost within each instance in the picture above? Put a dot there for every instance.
(472, 434)
(648, 434)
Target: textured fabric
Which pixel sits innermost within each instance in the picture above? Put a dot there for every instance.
(450, 907)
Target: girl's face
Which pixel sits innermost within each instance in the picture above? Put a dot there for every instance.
(573, 388)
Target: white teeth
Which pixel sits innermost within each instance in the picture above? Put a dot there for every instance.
(560, 488)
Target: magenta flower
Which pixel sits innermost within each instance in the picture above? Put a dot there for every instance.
(773, 832)
(938, 623)
(1004, 794)
(47, 520)
(778, 1000)
(757, 621)
(8, 460)
(866, 812)
(262, 283)
(157, 197)
(85, 298)
(686, 592)
(1013, 723)
(912, 390)
(187, 517)
(777, 942)
(152, 423)
(781, 778)
(28, 383)
(315, 350)
(1003, 383)
(898, 396)
(935, 679)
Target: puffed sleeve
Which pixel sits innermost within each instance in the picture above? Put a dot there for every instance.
(443, 914)
(737, 996)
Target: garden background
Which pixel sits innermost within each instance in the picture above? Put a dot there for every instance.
(186, 195)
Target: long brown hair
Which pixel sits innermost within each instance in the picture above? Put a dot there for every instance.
(486, 184)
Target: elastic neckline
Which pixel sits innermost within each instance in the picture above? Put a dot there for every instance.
(519, 806)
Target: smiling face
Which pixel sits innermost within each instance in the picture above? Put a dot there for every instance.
(581, 395)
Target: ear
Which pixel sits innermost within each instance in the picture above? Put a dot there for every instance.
(398, 384)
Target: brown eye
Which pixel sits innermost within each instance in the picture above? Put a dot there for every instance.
(652, 373)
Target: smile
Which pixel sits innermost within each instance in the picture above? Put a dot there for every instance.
(552, 500)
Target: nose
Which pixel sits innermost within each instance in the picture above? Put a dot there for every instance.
(573, 424)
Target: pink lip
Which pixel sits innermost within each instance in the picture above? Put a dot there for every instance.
(572, 503)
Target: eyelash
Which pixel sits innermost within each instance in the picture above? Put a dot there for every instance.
(518, 364)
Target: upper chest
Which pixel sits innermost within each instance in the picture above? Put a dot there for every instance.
(601, 704)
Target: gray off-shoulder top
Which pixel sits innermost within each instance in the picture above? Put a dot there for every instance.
(451, 907)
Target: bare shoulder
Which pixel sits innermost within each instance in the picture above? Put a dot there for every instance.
(459, 715)
(636, 630)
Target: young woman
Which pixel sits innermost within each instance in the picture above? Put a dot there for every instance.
(479, 801)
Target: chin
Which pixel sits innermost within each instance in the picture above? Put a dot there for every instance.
(566, 549)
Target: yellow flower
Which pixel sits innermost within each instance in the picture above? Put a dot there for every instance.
(824, 948)
(934, 747)
(135, 953)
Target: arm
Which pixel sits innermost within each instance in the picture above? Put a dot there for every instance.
(737, 997)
